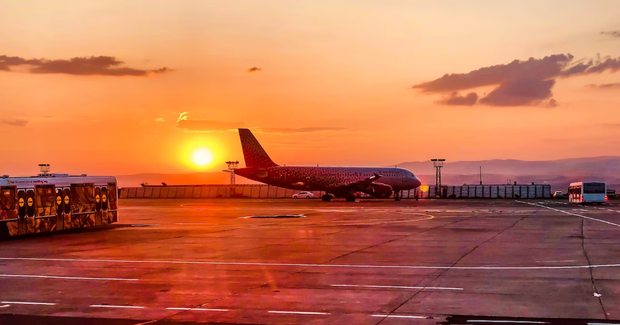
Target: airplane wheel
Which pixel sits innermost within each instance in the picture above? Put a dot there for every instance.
(326, 198)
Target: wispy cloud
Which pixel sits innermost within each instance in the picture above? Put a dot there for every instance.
(299, 130)
(518, 83)
(456, 99)
(254, 69)
(15, 122)
(612, 33)
(81, 66)
(604, 86)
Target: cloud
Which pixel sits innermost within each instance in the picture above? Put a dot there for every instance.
(518, 83)
(552, 103)
(200, 125)
(613, 33)
(81, 66)
(300, 130)
(604, 86)
(14, 122)
(208, 125)
(519, 92)
(254, 69)
(160, 119)
(455, 99)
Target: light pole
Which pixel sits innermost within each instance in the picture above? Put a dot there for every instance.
(438, 163)
(232, 165)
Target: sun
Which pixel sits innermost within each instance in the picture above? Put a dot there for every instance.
(202, 157)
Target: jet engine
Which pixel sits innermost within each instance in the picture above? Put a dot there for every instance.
(380, 190)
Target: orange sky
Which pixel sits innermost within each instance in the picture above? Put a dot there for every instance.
(345, 66)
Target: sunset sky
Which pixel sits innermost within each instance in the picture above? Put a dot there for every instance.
(123, 87)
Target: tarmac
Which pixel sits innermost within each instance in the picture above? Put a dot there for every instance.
(231, 261)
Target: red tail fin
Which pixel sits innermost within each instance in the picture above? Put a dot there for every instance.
(253, 152)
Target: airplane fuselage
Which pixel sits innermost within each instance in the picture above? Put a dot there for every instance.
(328, 179)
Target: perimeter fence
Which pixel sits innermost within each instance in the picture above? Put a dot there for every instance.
(273, 192)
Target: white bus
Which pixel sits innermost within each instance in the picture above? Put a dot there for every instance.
(587, 192)
(52, 202)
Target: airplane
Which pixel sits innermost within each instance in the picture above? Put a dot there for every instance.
(334, 181)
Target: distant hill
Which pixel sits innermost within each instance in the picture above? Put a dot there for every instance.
(557, 173)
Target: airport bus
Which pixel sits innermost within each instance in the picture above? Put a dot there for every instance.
(587, 192)
(53, 202)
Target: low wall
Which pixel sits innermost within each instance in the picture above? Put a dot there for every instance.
(273, 192)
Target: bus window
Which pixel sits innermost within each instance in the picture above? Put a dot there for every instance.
(594, 188)
(66, 200)
(30, 208)
(98, 198)
(21, 203)
(60, 208)
(7, 201)
(82, 198)
(112, 196)
(45, 200)
(104, 198)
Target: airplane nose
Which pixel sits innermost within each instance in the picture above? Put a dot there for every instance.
(417, 181)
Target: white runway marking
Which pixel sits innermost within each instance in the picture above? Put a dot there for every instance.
(62, 277)
(360, 266)
(400, 316)
(28, 303)
(113, 306)
(570, 213)
(394, 287)
(5, 306)
(297, 312)
(197, 309)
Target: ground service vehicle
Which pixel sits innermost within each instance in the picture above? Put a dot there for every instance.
(587, 192)
(52, 202)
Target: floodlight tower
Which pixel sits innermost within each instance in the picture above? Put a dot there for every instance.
(45, 169)
(232, 165)
(438, 163)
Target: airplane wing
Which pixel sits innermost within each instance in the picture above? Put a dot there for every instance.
(365, 183)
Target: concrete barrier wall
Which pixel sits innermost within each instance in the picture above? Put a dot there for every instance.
(273, 192)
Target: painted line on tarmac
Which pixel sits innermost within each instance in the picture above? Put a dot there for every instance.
(28, 303)
(297, 312)
(400, 316)
(5, 306)
(195, 309)
(570, 213)
(394, 287)
(115, 306)
(62, 277)
(359, 266)
(504, 321)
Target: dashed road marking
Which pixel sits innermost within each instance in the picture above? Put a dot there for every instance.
(297, 312)
(394, 287)
(28, 303)
(195, 309)
(62, 277)
(400, 316)
(116, 306)
(4, 306)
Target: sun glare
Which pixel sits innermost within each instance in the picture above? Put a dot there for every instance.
(202, 157)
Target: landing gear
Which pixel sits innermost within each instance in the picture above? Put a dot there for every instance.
(396, 196)
(326, 197)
